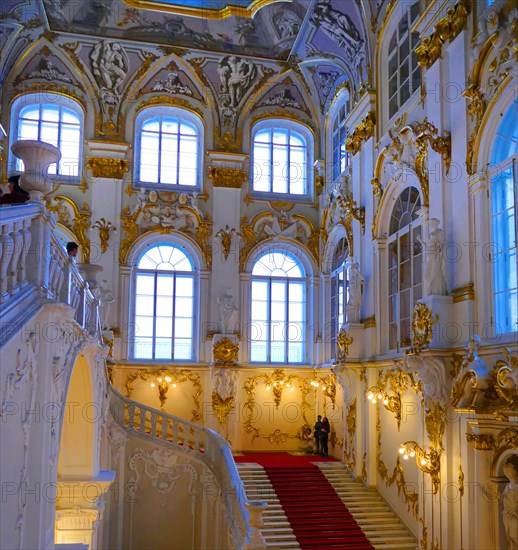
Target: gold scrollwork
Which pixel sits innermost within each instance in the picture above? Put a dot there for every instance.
(351, 210)
(446, 29)
(362, 132)
(482, 442)
(427, 134)
(78, 223)
(277, 382)
(104, 167)
(350, 422)
(222, 176)
(343, 341)
(222, 407)
(428, 462)
(410, 497)
(104, 227)
(163, 380)
(422, 323)
(225, 352)
(507, 379)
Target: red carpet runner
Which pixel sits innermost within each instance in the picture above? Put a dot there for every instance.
(316, 513)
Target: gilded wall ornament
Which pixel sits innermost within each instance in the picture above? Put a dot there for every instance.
(165, 213)
(507, 379)
(222, 407)
(226, 239)
(350, 422)
(422, 323)
(222, 176)
(74, 219)
(410, 497)
(343, 341)
(225, 352)
(105, 227)
(278, 382)
(165, 379)
(429, 462)
(104, 167)
(275, 226)
(390, 388)
(446, 29)
(362, 132)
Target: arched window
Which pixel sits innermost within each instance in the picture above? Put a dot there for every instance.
(504, 197)
(164, 304)
(341, 157)
(54, 119)
(282, 155)
(403, 69)
(339, 287)
(278, 309)
(168, 145)
(404, 266)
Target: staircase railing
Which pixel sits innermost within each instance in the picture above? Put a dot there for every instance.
(202, 443)
(34, 264)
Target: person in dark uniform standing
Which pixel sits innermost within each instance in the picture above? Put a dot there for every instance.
(324, 434)
(317, 434)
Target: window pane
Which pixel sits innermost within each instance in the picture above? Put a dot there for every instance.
(258, 352)
(184, 286)
(182, 348)
(144, 326)
(146, 284)
(145, 305)
(163, 347)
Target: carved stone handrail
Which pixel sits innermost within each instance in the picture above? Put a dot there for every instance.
(34, 268)
(197, 441)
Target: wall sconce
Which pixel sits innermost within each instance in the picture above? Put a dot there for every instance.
(327, 385)
(392, 403)
(104, 228)
(277, 382)
(428, 462)
(226, 239)
(163, 383)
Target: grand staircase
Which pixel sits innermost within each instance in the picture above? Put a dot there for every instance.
(381, 526)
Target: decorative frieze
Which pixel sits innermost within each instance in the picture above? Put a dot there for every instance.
(104, 167)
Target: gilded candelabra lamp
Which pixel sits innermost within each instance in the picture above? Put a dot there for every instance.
(428, 462)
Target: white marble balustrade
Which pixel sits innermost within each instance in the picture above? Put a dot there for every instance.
(34, 262)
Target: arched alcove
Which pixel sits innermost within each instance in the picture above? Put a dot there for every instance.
(78, 454)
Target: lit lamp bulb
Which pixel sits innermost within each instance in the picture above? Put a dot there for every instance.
(412, 453)
(174, 385)
(168, 379)
(292, 388)
(282, 382)
(268, 387)
(423, 461)
(323, 388)
(152, 384)
(380, 395)
(405, 456)
(159, 379)
(275, 384)
(402, 450)
(385, 401)
(370, 396)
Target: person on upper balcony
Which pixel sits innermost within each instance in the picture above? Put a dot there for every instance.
(16, 194)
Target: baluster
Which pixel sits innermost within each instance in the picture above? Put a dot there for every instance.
(12, 282)
(131, 415)
(197, 433)
(175, 432)
(7, 252)
(142, 420)
(153, 425)
(27, 236)
(165, 428)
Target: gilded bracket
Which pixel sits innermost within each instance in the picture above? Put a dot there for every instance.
(362, 132)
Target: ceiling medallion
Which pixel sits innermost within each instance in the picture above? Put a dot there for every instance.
(207, 9)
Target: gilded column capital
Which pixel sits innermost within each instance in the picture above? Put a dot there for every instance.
(224, 176)
(106, 167)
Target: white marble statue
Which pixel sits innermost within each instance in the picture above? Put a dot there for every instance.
(510, 502)
(433, 260)
(227, 312)
(106, 299)
(110, 65)
(354, 302)
(236, 76)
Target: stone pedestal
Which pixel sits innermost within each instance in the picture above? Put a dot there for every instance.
(446, 333)
(357, 347)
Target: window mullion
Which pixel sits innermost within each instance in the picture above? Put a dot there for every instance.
(174, 317)
(269, 330)
(178, 155)
(154, 313)
(287, 320)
